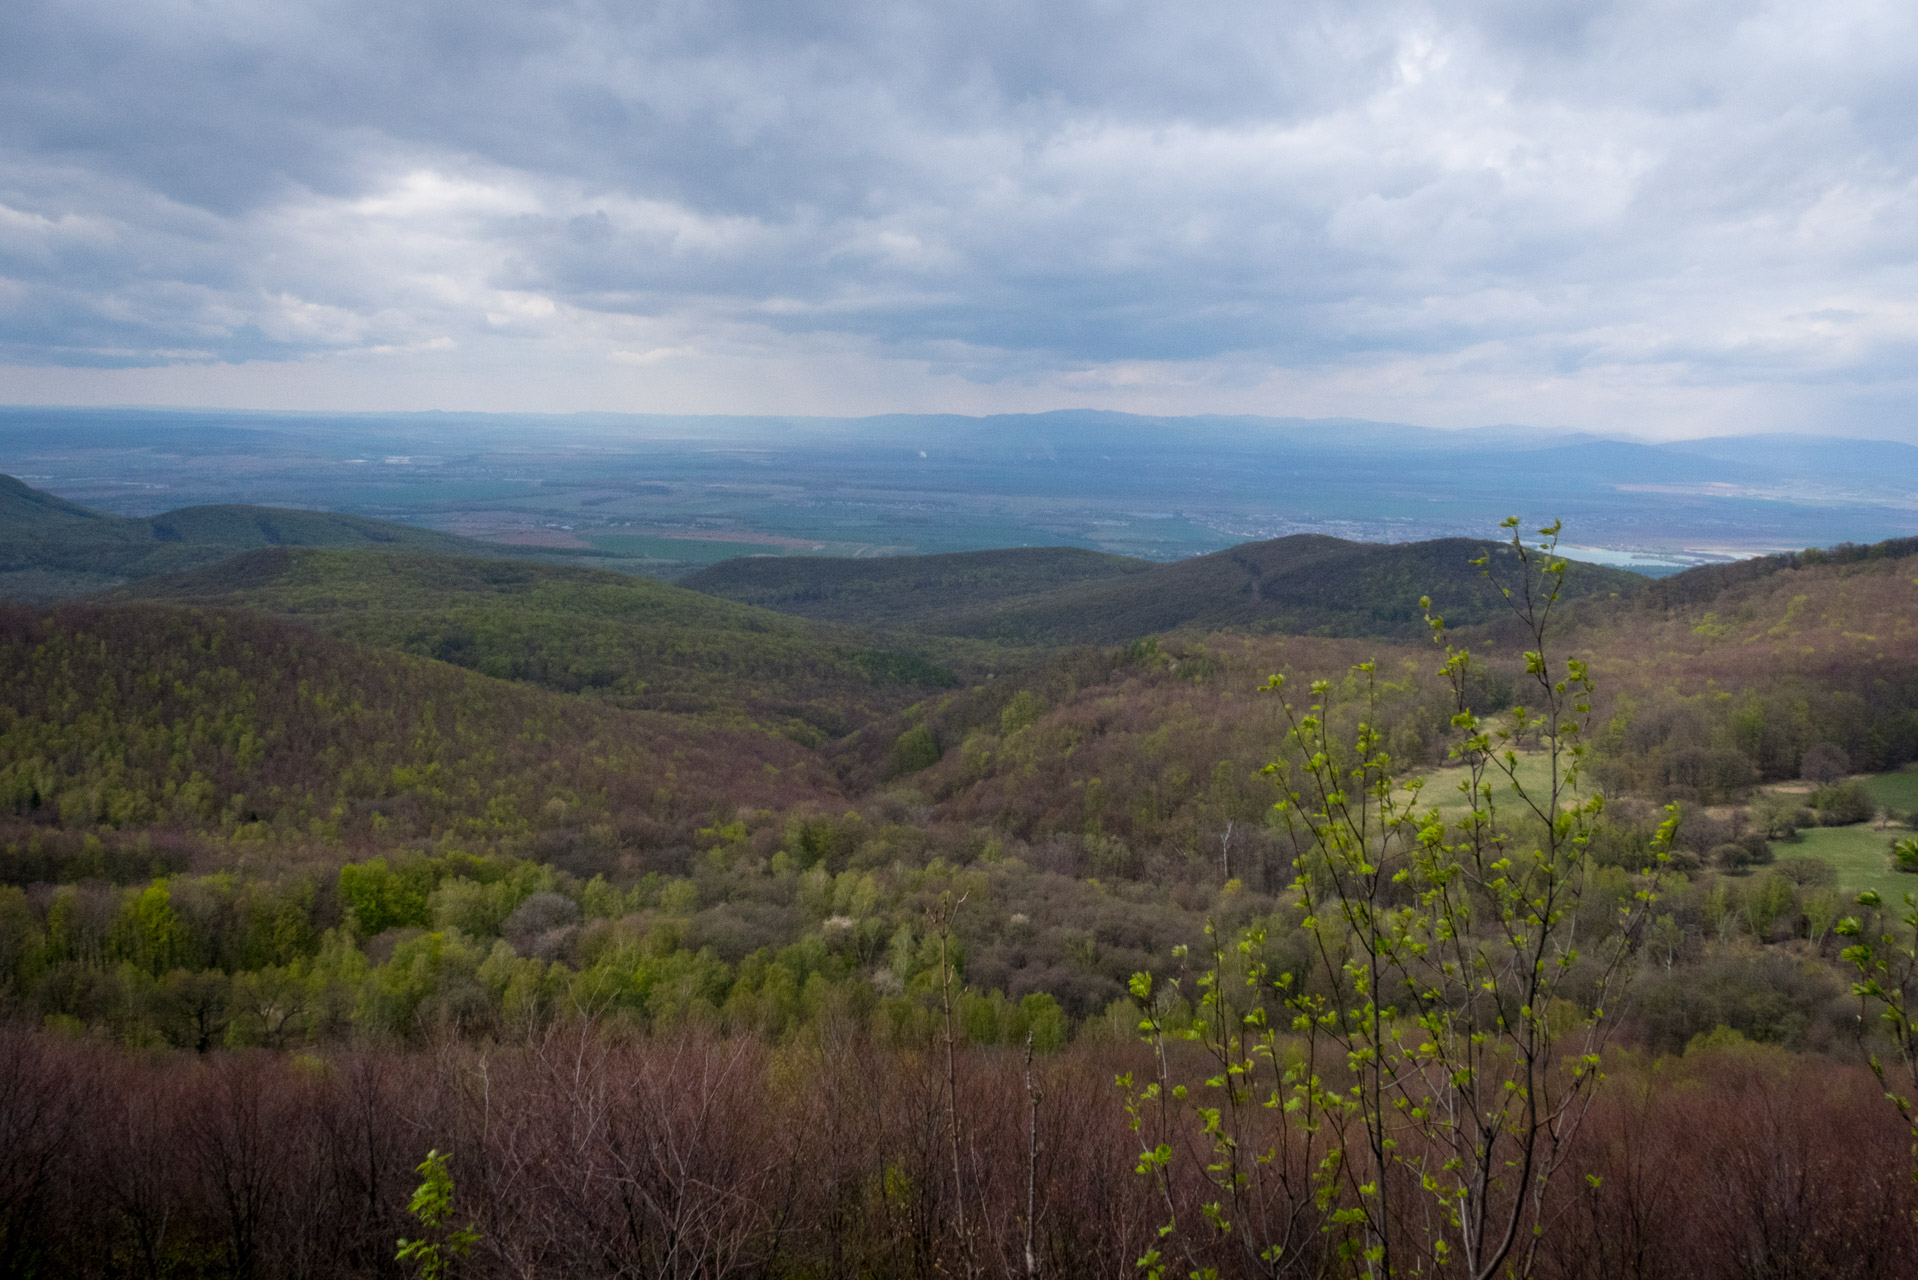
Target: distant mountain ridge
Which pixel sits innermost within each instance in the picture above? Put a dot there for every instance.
(1155, 487)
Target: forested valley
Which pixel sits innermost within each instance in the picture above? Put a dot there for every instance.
(1030, 928)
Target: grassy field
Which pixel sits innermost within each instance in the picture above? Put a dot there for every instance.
(1861, 855)
(1534, 774)
(1895, 790)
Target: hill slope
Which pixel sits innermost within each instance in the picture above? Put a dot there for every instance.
(1732, 672)
(635, 641)
(1307, 584)
(1708, 581)
(917, 593)
(50, 547)
(241, 727)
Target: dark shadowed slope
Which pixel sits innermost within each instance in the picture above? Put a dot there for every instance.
(1307, 584)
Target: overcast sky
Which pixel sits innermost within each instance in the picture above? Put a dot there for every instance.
(1658, 218)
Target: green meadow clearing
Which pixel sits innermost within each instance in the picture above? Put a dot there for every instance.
(1861, 855)
(1897, 790)
(1534, 775)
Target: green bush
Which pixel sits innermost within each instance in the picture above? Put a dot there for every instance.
(1776, 816)
(1843, 804)
(379, 898)
(1019, 712)
(1810, 871)
(915, 750)
(1765, 995)
(1748, 851)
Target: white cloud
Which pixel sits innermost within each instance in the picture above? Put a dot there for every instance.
(1654, 217)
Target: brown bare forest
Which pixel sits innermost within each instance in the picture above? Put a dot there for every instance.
(585, 1154)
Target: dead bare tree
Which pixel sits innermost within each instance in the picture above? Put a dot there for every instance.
(966, 1242)
(1032, 1162)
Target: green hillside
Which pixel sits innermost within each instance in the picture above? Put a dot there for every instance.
(233, 781)
(25, 509)
(50, 548)
(1717, 691)
(242, 728)
(1307, 584)
(937, 594)
(637, 642)
(1708, 582)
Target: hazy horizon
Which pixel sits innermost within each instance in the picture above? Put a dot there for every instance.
(680, 489)
(1722, 431)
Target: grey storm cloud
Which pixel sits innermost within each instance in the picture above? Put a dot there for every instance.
(1723, 193)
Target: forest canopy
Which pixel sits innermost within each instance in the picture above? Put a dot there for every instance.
(356, 805)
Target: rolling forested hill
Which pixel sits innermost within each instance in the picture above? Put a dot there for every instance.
(1707, 582)
(51, 548)
(934, 594)
(1727, 675)
(255, 734)
(633, 641)
(1703, 693)
(497, 788)
(1307, 584)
